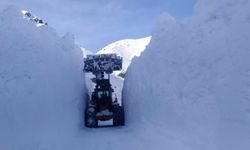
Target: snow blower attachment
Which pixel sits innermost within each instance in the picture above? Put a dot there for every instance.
(103, 108)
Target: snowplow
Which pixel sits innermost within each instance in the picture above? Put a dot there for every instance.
(102, 108)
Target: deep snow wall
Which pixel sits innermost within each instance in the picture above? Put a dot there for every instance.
(192, 83)
(41, 85)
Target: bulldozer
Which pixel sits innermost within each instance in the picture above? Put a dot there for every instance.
(102, 108)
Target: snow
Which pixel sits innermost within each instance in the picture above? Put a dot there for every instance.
(86, 52)
(27, 15)
(41, 85)
(190, 88)
(42, 92)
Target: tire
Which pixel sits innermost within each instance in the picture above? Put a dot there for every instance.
(118, 116)
(90, 120)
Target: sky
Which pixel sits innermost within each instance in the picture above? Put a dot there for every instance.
(97, 23)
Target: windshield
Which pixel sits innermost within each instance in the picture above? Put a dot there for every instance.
(101, 94)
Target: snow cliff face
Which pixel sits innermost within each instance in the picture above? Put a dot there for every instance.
(192, 81)
(41, 85)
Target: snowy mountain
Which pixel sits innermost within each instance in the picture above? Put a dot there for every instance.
(128, 49)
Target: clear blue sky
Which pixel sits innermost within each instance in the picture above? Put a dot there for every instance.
(96, 23)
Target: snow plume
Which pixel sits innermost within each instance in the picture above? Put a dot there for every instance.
(192, 83)
(41, 85)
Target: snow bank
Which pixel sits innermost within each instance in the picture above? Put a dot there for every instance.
(41, 85)
(191, 86)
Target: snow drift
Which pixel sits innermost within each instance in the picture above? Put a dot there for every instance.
(191, 86)
(41, 85)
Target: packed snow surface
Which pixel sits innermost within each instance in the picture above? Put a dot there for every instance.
(190, 89)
